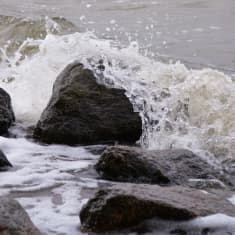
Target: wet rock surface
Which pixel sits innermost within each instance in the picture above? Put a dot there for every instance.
(4, 163)
(81, 111)
(14, 220)
(96, 149)
(124, 205)
(163, 167)
(7, 116)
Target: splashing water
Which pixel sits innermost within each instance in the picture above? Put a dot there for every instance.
(180, 108)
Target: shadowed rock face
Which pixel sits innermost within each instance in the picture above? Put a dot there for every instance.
(164, 167)
(4, 163)
(124, 205)
(81, 111)
(7, 116)
(14, 220)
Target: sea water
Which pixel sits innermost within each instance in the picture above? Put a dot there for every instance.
(177, 74)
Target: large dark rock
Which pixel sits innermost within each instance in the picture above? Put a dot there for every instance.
(7, 116)
(164, 167)
(81, 111)
(14, 220)
(4, 163)
(125, 205)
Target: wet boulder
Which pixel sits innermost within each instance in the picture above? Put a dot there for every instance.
(14, 220)
(163, 167)
(4, 163)
(82, 111)
(124, 205)
(7, 116)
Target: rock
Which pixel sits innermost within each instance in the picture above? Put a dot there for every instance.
(14, 220)
(81, 111)
(125, 205)
(7, 116)
(178, 232)
(163, 167)
(96, 149)
(4, 163)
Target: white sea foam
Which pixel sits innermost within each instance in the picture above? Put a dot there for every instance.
(39, 167)
(214, 225)
(45, 181)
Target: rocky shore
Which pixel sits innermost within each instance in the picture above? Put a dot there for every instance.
(170, 184)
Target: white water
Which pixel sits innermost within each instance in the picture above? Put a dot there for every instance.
(180, 108)
(45, 181)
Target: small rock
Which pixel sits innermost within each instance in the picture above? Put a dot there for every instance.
(125, 205)
(163, 167)
(178, 232)
(4, 163)
(7, 116)
(14, 220)
(96, 149)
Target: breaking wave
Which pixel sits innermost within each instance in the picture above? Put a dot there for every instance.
(180, 107)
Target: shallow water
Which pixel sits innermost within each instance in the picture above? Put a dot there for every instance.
(139, 42)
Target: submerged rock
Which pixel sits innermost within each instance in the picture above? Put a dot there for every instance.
(164, 167)
(178, 232)
(14, 220)
(7, 116)
(96, 149)
(125, 205)
(81, 111)
(4, 163)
